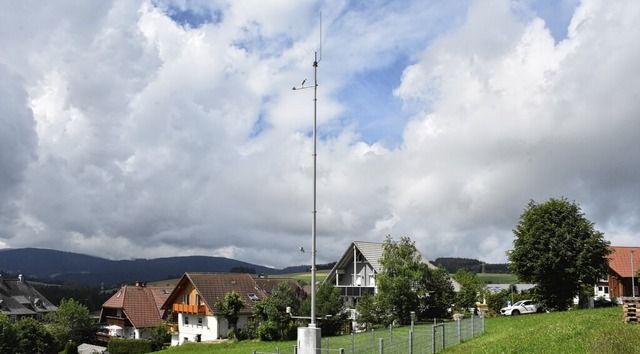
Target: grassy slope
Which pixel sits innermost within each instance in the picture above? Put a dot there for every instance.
(578, 331)
(498, 278)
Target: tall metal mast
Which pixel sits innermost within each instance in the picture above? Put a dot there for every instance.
(315, 155)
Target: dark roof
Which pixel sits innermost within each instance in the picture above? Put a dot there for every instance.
(18, 297)
(268, 284)
(140, 304)
(372, 252)
(215, 286)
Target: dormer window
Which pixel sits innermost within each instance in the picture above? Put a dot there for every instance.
(253, 296)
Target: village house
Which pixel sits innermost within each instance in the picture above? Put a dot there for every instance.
(133, 311)
(193, 303)
(18, 299)
(355, 272)
(624, 262)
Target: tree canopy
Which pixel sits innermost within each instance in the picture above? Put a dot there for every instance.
(277, 324)
(8, 337)
(230, 308)
(557, 248)
(406, 284)
(72, 321)
(471, 287)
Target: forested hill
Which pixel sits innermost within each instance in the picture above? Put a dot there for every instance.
(452, 264)
(67, 267)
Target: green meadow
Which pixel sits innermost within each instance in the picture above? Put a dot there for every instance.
(576, 331)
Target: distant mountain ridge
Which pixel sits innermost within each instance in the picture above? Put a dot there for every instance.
(69, 267)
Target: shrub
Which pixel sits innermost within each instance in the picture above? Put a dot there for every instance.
(268, 331)
(70, 348)
(129, 346)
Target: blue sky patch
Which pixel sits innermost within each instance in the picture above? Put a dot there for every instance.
(192, 17)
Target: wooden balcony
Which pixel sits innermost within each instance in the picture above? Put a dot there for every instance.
(190, 309)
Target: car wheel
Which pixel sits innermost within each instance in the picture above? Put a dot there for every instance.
(515, 313)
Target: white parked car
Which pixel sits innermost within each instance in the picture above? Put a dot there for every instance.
(521, 307)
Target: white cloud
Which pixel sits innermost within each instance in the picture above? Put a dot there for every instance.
(137, 136)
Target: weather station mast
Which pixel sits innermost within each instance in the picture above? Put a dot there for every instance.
(309, 337)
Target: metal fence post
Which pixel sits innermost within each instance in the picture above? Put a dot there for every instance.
(459, 331)
(353, 347)
(277, 350)
(444, 331)
(373, 338)
(381, 347)
(411, 342)
(341, 351)
(327, 343)
(390, 333)
(433, 339)
(472, 332)
(295, 349)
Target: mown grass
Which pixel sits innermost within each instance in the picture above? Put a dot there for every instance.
(244, 347)
(576, 331)
(599, 331)
(306, 276)
(497, 278)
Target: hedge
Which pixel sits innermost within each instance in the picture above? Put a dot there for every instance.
(129, 346)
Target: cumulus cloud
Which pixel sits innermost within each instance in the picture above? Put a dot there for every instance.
(149, 129)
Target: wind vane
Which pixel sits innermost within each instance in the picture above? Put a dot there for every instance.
(311, 334)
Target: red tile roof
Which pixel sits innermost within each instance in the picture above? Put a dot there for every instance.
(140, 304)
(620, 260)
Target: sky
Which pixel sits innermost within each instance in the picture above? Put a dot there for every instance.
(159, 128)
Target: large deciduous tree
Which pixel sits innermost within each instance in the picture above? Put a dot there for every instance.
(406, 284)
(33, 337)
(277, 323)
(398, 280)
(557, 248)
(437, 293)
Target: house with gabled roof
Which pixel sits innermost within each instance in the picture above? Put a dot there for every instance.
(267, 284)
(193, 304)
(18, 299)
(133, 311)
(624, 262)
(355, 272)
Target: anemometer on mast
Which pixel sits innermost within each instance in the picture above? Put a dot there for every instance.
(317, 56)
